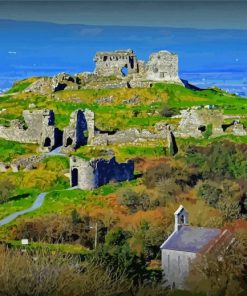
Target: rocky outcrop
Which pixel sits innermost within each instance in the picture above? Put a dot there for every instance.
(65, 81)
(196, 121)
(23, 163)
(42, 86)
(27, 163)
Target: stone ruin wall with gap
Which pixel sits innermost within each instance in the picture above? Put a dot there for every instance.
(112, 63)
(29, 131)
(39, 128)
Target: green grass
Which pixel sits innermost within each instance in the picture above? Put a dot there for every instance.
(124, 152)
(64, 201)
(21, 85)
(15, 205)
(182, 142)
(10, 149)
(117, 115)
(143, 151)
(181, 98)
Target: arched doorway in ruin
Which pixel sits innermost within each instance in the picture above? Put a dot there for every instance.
(47, 142)
(69, 141)
(74, 177)
(125, 70)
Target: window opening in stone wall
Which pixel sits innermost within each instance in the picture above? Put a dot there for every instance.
(47, 142)
(74, 177)
(69, 141)
(179, 268)
(131, 61)
(125, 70)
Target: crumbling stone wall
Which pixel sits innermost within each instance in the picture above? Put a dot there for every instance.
(113, 63)
(37, 128)
(89, 116)
(161, 66)
(74, 134)
(195, 121)
(80, 130)
(132, 135)
(97, 172)
(22, 163)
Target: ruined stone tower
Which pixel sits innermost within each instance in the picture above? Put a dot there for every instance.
(80, 130)
(97, 172)
(163, 66)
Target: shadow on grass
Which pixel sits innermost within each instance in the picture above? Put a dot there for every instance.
(19, 197)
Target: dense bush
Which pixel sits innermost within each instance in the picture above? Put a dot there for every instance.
(43, 273)
(220, 160)
(6, 189)
(133, 200)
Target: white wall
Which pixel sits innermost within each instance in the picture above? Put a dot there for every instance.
(175, 266)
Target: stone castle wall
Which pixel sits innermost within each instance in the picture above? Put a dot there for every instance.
(112, 63)
(163, 66)
(97, 172)
(32, 130)
(131, 135)
(39, 128)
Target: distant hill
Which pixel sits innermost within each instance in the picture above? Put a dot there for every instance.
(40, 48)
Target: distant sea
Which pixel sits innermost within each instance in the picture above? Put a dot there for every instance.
(207, 58)
(232, 82)
(235, 82)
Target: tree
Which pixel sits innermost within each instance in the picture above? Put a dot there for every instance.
(117, 237)
(222, 272)
(129, 198)
(75, 216)
(42, 273)
(210, 192)
(6, 189)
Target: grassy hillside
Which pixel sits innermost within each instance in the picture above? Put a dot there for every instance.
(119, 112)
(131, 219)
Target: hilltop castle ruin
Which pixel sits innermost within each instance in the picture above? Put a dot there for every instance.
(115, 69)
(161, 66)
